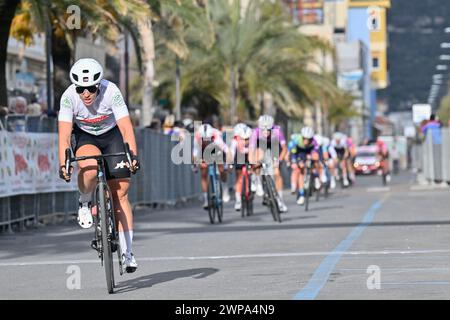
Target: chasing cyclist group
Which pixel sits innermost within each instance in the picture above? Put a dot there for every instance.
(332, 158)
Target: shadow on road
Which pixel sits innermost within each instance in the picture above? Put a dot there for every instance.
(153, 279)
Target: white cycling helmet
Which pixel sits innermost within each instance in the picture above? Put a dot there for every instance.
(86, 72)
(243, 131)
(206, 131)
(338, 136)
(265, 122)
(307, 132)
(326, 141)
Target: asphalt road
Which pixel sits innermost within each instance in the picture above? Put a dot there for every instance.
(366, 242)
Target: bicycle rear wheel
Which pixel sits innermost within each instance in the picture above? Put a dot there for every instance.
(105, 224)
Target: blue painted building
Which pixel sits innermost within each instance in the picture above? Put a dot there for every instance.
(357, 30)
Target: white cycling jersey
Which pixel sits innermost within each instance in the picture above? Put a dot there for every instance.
(342, 144)
(101, 116)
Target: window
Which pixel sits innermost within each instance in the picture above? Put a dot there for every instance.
(375, 63)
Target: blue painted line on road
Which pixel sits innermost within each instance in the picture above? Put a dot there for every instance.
(322, 273)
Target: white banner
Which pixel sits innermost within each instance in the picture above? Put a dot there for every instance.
(29, 164)
(6, 165)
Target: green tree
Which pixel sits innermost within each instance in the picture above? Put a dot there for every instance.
(236, 55)
(7, 11)
(444, 110)
(106, 19)
(341, 109)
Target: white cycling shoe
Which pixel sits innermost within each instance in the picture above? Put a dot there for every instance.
(85, 216)
(237, 206)
(332, 183)
(282, 206)
(301, 200)
(226, 195)
(317, 184)
(259, 189)
(129, 263)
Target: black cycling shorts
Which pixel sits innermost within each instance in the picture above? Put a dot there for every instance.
(109, 142)
(340, 153)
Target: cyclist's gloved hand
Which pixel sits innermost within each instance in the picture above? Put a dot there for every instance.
(63, 174)
(136, 165)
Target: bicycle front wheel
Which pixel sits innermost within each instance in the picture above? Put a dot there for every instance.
(307, 188)
(275, 210)
(102, 205)
(243, 198)
(219, 201)
(211, 201)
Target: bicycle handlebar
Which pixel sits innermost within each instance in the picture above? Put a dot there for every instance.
(126, 153)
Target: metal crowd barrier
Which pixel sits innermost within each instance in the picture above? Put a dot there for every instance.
(159, 182)
(431, 159)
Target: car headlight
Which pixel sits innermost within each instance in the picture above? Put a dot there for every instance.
(356, 165)
(377, 164)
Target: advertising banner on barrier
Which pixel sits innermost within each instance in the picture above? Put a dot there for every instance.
(22, 177)
(45, 164)
(6, 165)
(29, 164)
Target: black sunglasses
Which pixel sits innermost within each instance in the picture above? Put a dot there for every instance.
(91, 89)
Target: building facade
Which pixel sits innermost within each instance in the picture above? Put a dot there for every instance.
(358, 31)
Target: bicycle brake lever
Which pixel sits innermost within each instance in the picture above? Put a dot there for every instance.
(67, 165)
(128, 154)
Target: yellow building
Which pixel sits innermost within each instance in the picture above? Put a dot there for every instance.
(377, 24)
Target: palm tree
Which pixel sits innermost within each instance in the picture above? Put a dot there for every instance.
(106, 19)
(7, 11)
(247, 54)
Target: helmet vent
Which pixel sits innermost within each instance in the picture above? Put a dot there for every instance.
(75, 76)
(85, 71)
(96, 76)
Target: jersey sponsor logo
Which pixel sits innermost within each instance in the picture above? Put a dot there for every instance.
(120, 165)
(65, 102)
(117, 100)
(94, 120)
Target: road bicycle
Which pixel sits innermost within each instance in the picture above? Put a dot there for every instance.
(270, 197)
(215, 201)
(106, 239)
(247, 193)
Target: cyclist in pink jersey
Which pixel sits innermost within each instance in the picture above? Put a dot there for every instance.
(208, 147)
(268, 144)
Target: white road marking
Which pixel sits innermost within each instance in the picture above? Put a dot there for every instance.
(379, 189)
(243, 256)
